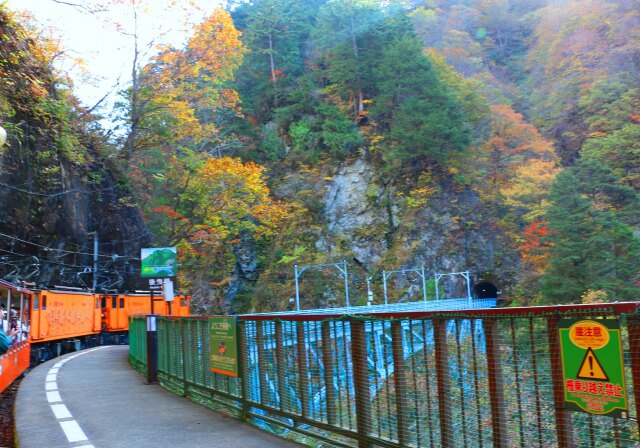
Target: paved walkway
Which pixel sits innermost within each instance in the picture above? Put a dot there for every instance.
(93, 398)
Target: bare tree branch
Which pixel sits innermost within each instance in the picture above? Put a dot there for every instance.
(78, 6)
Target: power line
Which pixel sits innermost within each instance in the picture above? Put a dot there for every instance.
(33, 193)
(46, 248)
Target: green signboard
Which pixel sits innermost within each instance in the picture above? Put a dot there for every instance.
(158, 263)
(224, 348)
(592, 367)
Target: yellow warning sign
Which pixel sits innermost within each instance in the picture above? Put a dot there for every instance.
(589, 334)
(591, 369)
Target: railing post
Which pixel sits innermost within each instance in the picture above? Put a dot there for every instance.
(264, 388)
(328, 362)
(152, 350)
(183, 349)
(563, 417)
(303, 371)
(361, 381)
(496, 384)
(245, 371)
(400, 380)
(633, 325)
(280, 363)
(443, 375)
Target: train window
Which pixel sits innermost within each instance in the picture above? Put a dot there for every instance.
(114, 302)
(36, 301)
(98, 303)
(104, 301)
(44, 302)
(121, 302)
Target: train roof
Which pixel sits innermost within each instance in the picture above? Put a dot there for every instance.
(12, 286)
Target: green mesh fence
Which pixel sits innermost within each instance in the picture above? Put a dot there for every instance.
(138, 344)
(490, 378)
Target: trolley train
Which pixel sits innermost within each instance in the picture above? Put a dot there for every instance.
(61, 320)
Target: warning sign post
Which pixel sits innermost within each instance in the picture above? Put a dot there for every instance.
(592, 366)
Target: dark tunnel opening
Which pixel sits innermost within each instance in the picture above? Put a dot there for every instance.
(485, 290)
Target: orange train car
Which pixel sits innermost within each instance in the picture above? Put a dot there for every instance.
(61, 320)
(62, 314)
(117, 307)
(17, 359)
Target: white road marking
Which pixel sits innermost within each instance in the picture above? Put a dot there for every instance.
(61, 411)
(73, 431)
(54, 397)
(71, 428)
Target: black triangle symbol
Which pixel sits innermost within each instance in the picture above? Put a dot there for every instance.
(591, 369)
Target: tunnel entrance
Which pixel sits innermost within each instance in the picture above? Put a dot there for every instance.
(485, 290)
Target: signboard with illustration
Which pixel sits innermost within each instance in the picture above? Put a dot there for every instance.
(158, 262)
(223, 342)
(592, 366)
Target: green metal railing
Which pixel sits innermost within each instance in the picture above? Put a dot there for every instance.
(477, 378)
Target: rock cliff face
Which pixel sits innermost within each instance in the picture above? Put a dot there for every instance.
(59, 187)
(452, 232)
(350, 203)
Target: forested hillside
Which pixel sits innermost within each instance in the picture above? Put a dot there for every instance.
(497, 137)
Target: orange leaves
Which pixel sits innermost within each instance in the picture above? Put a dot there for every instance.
(513, 146)
(534, 248)
(168, 211)
(512, 135)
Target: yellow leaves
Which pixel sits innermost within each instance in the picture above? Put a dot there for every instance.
(233, 195)
(530, 187)
(597, 296)
(216, 48)
(420, 196)
(424, 190)
(184, 88)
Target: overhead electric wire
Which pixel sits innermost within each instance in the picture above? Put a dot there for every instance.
(46, 248)
(48, 195)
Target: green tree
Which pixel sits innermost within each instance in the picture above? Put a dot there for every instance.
(345, 37)
(424, 118)
(590, 249)
(275, 32)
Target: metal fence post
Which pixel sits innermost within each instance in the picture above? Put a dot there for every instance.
(184, 339)
(280, 363)
(563, 417)
(361, 381)
(262, 360)
(400, 380)
(303, 371)
(633, 325)
(245, 381)
(152, 350)
(329, 365)
(496, 384)
(442, 372)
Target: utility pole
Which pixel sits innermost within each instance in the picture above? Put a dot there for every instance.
(95, 260)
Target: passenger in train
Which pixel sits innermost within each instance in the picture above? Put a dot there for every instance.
(4, 321)
(22, 330)
(6, 340)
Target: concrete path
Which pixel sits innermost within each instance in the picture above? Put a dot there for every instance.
(93, 398)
